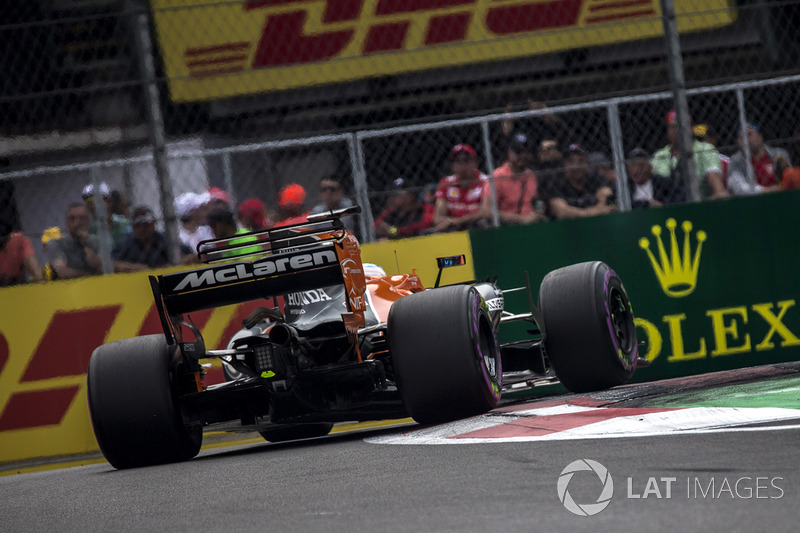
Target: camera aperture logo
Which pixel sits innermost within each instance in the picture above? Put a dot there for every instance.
(585, 509)
(664, 487)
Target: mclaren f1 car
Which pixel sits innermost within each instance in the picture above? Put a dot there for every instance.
(332, 343)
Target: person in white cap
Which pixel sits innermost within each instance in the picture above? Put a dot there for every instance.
(191, 209)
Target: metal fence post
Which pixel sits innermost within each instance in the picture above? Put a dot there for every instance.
(156, 126)
(357, 163)
(749, 172)
(487, 153)
(227, 173)
(101, 216)
(685, 138)
(618, 153)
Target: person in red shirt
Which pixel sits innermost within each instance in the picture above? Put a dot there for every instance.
(459, 197)
(292, 203)
(767, 164)
(17, 258)
(515, 185)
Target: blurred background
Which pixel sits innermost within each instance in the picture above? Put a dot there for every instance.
(158, 98)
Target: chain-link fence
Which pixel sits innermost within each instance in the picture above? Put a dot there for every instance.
(250, 96)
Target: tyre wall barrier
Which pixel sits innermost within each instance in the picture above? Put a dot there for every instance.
(713, 285)
(49, 331)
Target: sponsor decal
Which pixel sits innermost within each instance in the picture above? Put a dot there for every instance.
(307, 297)
(675, 270)
(495, 304)
(676, 265)
(265, 45)
(241, 271)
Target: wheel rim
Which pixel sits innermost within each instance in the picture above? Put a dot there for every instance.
(622, 326)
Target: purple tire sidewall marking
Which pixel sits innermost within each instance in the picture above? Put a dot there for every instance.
(476, 302)
(628, 363)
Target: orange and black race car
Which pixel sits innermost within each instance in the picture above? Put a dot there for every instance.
(333, 343)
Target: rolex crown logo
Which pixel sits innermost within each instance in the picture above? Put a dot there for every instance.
(676, 270)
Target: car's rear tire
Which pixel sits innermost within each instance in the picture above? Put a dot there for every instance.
(445, 354)
(590, 335)
(296, 431)
(133, 407)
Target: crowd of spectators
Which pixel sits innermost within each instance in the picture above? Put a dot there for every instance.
(545, 174)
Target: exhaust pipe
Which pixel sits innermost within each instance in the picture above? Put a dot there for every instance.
(282, 334)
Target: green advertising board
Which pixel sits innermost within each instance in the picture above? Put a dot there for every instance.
(714, 285)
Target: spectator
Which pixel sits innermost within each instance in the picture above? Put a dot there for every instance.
(708, 166)
(217, 197)
(459, 196)
(404, 215)
(549, 162)
(579, 193)
(48, 235)
(768, 165)
(253, 215)
(118, 225)
(143, 248)
(223, 225)
(292, 204)
(192, 209)
(515, 185)
(18, 263)
(120, 205)
(546, 126)
(76, 254)
(331, 194)
(707, 134)
(648, 189)
(603, 167)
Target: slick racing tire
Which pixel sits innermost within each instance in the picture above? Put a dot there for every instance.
(132, 405)
(296, 431)
(445, 354)
(590, 335)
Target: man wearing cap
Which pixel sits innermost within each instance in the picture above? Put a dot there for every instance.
(403, 216)
(192, 208)
(76, 254)
(143, 248)
(331, 194)
(515, 185)
(223, 224)
(768, 165)
(18, 263)
(253, 215)
(707, 163)
(707, 134)
(291, 201)
(648, 189)
(579, 193)
(459, 197)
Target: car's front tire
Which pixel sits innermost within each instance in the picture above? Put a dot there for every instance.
(445, 354)
(133, 405)
(590, 335)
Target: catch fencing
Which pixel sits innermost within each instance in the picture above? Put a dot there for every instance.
(369, 161)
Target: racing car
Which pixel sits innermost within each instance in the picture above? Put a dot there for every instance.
(333, 344)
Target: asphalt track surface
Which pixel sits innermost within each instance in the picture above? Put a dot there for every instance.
(672, 468)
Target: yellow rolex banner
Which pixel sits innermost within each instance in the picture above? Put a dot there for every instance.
(217, 50)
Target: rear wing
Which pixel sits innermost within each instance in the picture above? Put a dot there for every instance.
(259, 264)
